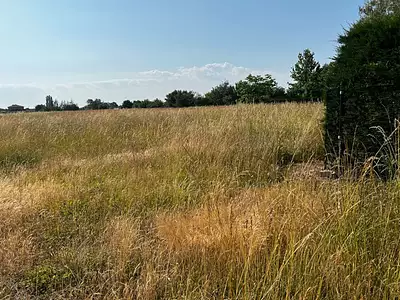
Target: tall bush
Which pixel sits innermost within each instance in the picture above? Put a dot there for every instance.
(364, 102)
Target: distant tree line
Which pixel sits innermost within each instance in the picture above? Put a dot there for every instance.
(54, 105)
(309, 82)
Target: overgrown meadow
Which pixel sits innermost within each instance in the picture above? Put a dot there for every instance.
(197, 203)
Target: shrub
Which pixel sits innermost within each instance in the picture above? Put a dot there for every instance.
(366, 93)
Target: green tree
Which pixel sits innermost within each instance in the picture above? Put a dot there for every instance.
(223, 94)
(136, 104)
(157, 103)
(49, 102)
(56, 106)
(146, 103)
(90, 104)
(256, 89)
(40, 107)
(93, 104)
(379, 8)
(112, 105)
(98, 104)
(326, 75)
(127, 104)
(179, 98)
(69, 106)
(307, 76)
(279, 94)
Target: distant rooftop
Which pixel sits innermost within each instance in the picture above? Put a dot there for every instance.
(15, 107)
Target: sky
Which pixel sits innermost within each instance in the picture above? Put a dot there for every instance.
(130, 49)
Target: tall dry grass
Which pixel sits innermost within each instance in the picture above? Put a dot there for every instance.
(199, 203)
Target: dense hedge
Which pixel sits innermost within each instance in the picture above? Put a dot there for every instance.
(367, 72)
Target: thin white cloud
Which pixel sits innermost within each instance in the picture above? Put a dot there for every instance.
(138, 85)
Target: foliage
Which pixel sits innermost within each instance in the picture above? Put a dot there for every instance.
(279, 94)
(367, 71)
(40, 107)
(49, 103)
(223, 94)
(70, 105)
(127, 104)
(147, 103)
(53, 105)
(376, 8)
(157, 103)
(98, 104)
(256, 89)
(307, 76)
(326, 75)
(180, 98)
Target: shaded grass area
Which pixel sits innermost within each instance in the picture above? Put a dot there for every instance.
(187, 204)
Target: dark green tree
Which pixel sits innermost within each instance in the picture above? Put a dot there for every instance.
(49, 103)
(56, 106)
(127, 104)
(279, 94)
(136, 104)
(256, 89)
(146, 103)
(70, 105)
(179, 98)
(306, 74)
(91, 104)
(223, 94)
(201, 100)
(157, 103)
(366, 77)
(40, 107)
(112, 105)
(326, 74)
(98, 104)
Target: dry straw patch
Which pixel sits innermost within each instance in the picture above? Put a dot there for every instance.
(122, 240)
(24, 198)
(247, 223)
(18, 202)
(17, 252)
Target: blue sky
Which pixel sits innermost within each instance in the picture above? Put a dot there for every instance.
(130, 49)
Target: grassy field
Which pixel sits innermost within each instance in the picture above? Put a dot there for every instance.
(199, 203)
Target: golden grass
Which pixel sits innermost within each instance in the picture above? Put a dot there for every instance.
(198, 203)
(244, 224)
(122, 239)
(17, 252)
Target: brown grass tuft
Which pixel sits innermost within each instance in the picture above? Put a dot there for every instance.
(122, 241)
(17, 252)
(246, 224)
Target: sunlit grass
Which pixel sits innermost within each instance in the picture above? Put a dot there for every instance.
(199, 203)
